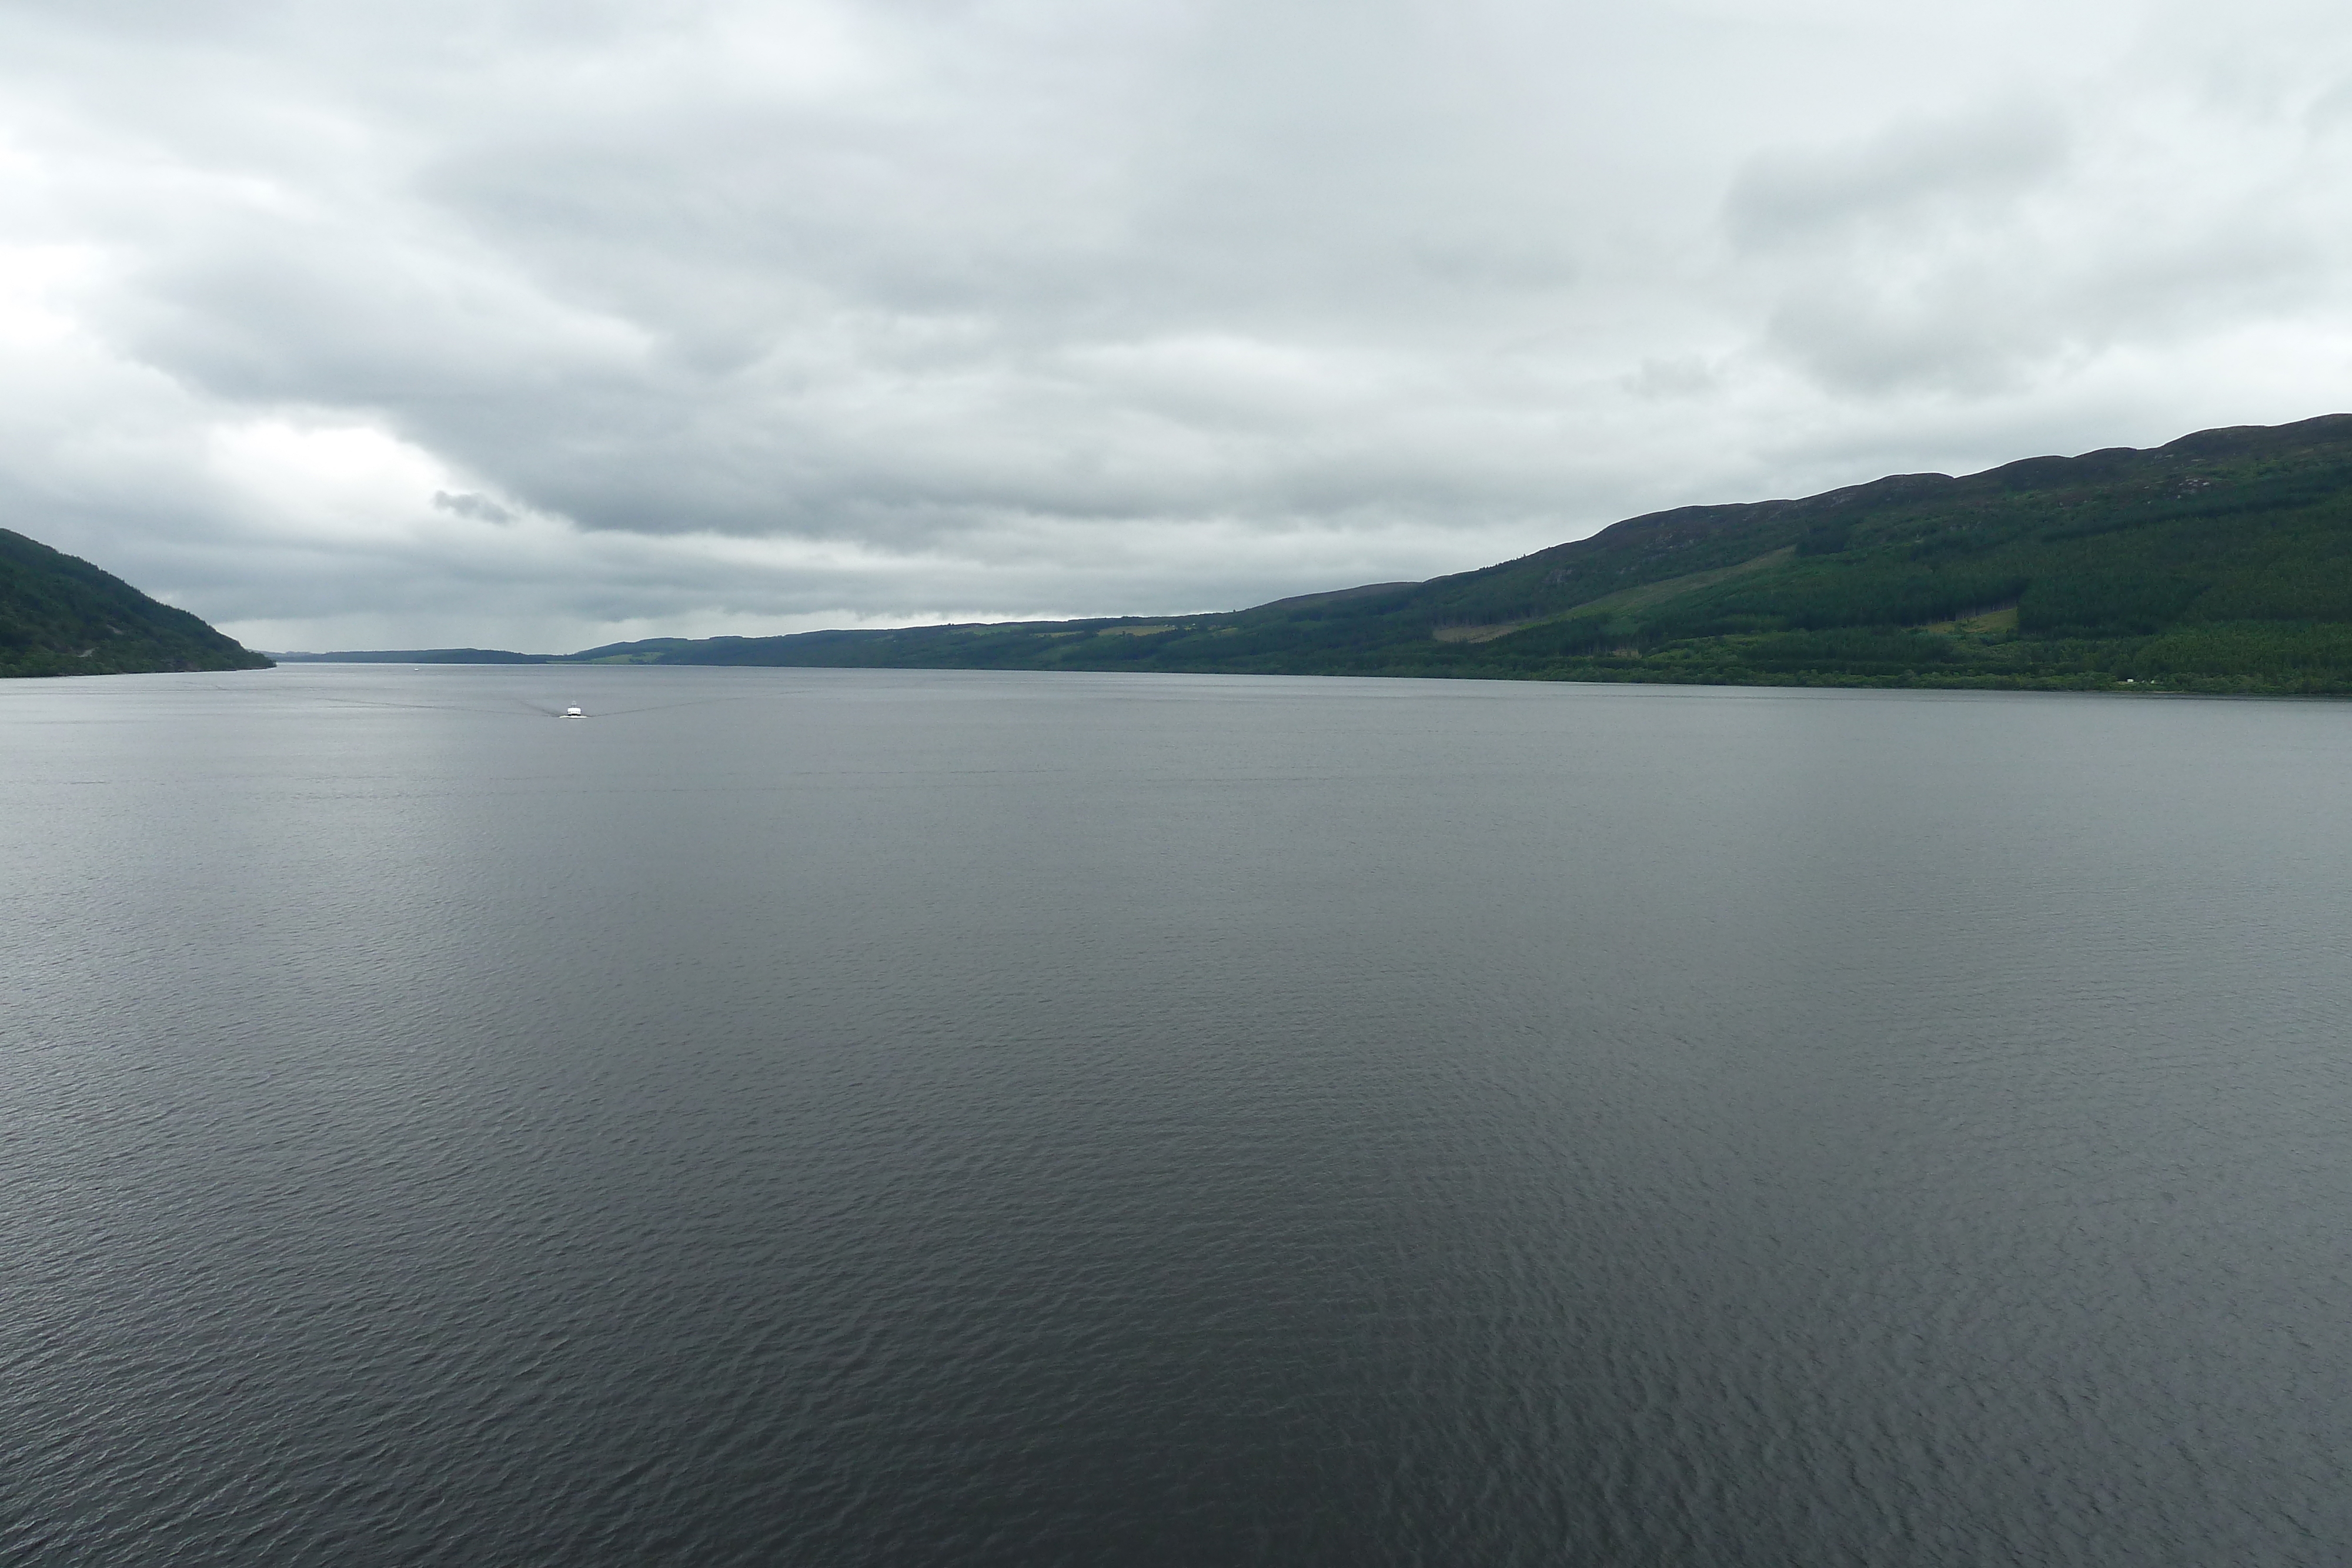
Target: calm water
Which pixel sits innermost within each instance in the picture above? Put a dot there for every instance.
(846, 1118)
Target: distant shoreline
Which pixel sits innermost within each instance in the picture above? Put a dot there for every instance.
(420, 656)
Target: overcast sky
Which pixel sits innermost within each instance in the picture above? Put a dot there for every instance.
(545, 323)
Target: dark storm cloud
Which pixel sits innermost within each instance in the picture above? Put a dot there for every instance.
(538, 323)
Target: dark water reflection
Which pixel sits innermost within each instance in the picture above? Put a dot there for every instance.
(883, 1118)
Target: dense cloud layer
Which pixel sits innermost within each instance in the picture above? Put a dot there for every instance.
(538, 324)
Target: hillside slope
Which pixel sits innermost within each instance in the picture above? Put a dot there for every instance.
(61, 616)
(2220, 563)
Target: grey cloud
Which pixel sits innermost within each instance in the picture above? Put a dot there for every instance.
(472, 505)
(1677, 376)
(1992, 253)
(1904, 171)
(2331, 110)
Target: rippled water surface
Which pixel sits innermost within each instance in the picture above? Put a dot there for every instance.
(861, 1118)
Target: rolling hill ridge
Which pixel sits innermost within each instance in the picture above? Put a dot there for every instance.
(2219, 562)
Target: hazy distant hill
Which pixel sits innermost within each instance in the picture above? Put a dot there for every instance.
(417, 657)
(2221, 562)
(62, 616)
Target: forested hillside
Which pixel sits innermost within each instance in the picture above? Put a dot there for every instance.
(62, 616)
(2220, 562)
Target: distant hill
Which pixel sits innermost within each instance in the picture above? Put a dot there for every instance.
(2220, 562)
(418, 657)
(62, 616)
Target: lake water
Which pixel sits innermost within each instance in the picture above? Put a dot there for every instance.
(880, 1117)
